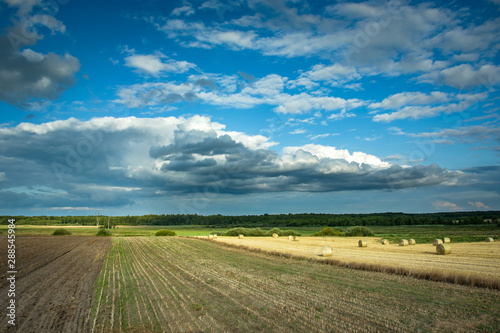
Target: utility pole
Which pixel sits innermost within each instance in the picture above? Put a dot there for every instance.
(97, 215)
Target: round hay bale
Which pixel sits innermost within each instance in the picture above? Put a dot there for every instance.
(295, 238)
(446, 240)
(240, 236)
(275, 236)
(385, 242)
(443, 249)
(436, 242)
(403, 242)
(210, 236)
(290, 237)
(362, 243)
(327, 251)
(490, 239)
(412, 241)
(215, 236)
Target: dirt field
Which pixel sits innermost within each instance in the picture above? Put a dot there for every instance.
(55, 282)
(171, 284)
(468, 259)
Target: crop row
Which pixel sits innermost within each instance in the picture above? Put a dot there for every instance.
(187, 285)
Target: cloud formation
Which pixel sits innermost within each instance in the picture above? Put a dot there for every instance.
(234, 92)
(419, 105)
(115, 161)
(153, 64)
(27, 75)
(380, 38)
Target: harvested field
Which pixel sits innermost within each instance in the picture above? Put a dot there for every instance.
(475, 260)
(189, 285)
(55, 282)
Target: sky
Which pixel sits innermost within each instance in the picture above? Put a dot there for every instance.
(248, 107)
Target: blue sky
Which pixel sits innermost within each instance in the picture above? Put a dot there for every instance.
(248, 107)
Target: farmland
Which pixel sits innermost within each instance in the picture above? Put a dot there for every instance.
(176, 284)
(185, 285)
(422, 233)
(54, 283)
(480, 261)
(125, 231)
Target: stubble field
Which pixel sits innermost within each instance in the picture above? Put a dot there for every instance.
(189, 285)
(474, 261)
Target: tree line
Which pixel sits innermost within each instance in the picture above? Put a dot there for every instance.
(272, 220)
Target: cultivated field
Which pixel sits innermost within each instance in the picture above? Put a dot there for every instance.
(173, 284)
(477, 260)
(55, 282)
(121, 231)
(189, 285)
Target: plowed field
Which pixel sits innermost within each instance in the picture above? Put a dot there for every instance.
(55, 282)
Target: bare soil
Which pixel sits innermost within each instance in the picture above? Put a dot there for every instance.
(54, 283)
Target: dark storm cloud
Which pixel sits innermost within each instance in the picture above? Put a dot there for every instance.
(117, 161)
(207, 146)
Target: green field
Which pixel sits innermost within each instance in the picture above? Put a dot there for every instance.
(121, 231)
(422, 234)
(426, 233)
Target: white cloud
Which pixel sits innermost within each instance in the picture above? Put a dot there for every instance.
(464, 76)
(473, 38)
(299, 131)
(32, 56)
(418, 110)
(183, 10)
(322, 136)
(269, 85)
(410, 98)
(446, 205)
(207, 37)
(223, 91)
(71, 208)
(396, 131)
(390, 38)
(464, 134)
(478, 204)
(369, 138)
(335, 75)
(295, 121)
(326, 152)
(25, 6)
(304, 103)
(48, 21)
(466, 57)
(153, 64)
(341, 115)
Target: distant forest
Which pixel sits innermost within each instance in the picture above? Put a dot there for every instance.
(271, 220)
